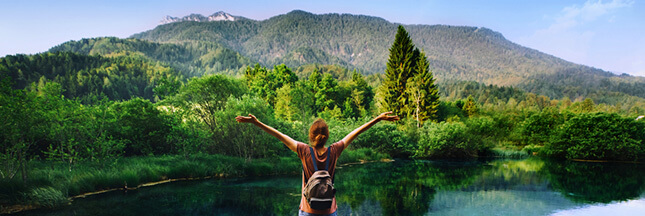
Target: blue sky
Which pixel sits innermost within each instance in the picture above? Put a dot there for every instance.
(606, 34)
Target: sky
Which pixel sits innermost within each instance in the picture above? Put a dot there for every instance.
(606, 34)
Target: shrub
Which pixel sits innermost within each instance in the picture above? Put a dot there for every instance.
(530, 149)
(541, 126)
(386, 138)
(448, 140)
(598, 136)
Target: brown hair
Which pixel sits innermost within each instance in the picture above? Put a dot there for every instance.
(318, 133)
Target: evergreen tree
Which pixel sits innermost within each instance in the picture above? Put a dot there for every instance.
(409, 89)
(429, 100)
(326, 92)
(284, 108)
(470, 106)
(362, 93)
(401, 65)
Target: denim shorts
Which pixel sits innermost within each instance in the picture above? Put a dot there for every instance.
(301, 213)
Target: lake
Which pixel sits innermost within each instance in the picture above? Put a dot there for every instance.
(496, 187)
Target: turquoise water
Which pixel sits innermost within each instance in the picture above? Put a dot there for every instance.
(498, 187)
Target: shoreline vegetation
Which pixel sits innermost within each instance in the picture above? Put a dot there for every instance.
(72, 124)
(51, 188)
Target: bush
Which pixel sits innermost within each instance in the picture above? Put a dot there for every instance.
(448, 140)
(358, 155)
(507, 153)
(530, 149)
(386, 138)
(598, 136)
(540, 127)
(484, 128)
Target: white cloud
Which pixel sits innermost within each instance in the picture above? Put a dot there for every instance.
(576, 15)
(571, 32)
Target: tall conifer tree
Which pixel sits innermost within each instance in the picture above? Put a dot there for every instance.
(408, 89)
(428, 98)
(400, 67)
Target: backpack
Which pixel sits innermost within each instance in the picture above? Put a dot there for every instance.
(319, 190)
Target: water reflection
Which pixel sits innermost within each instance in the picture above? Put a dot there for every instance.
(595, 182)
(499, 187)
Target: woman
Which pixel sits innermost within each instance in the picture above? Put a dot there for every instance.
(318, 134)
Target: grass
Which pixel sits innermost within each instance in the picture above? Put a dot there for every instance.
(507, 153)
(47, 187)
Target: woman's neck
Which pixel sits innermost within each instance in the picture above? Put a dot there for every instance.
(320, 150)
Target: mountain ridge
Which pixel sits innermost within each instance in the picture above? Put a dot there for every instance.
(362, 42)
(217, 16)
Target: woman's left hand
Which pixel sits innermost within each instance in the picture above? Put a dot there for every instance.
(244, 119)
(387, 117)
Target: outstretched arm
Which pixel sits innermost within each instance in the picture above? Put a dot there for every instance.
(352, 135)
(288, 141)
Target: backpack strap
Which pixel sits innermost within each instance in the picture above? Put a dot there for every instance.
(313, 160)
(327, 160)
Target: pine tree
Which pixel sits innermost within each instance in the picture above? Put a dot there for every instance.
(470, 107)
(430, 100)
(408, 89)
(401, 66)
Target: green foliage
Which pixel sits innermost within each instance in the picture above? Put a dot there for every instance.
(409, 89)
(86, 77)
(388, 139)
(206, 95)
(47, 197)
(265, 83)
(448, 140)
(401, 66)
(507, 153)
(532, 149)
(326, 93)
(192, 58)
(22, 126)
(540, 127)
(144, 126)
(470, 107)
(246, 140)
(424, 96)
(595, 182)
(167, 87)
(598, 136)
(295, 103)
(360, 155)
(457, 52)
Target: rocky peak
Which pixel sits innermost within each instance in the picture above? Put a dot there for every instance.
(218, 16)
(221, 15)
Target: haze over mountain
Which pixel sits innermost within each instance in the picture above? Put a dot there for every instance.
(456, 53)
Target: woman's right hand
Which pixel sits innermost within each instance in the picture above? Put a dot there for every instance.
(387, 117)
(244, 119)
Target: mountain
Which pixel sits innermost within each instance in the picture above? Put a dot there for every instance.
(304, 40)
(362, 42)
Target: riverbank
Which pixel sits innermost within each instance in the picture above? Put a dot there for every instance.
(50, 186)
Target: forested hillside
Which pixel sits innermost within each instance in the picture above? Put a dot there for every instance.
(193, 58)
(88, 77)
(361, 42)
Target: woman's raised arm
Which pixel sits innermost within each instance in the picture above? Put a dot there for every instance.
(383, 116)
(288, 141)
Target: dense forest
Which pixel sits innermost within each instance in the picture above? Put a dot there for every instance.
(361, 42)
(166, 110)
